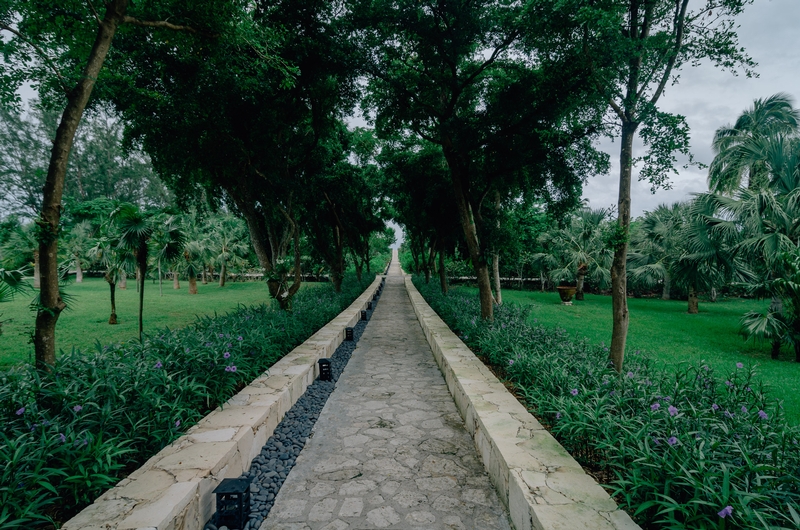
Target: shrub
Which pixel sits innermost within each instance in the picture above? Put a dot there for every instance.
(72, 433)
(678, 448)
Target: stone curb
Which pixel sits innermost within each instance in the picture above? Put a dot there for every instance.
(172, 490)
(542, 486)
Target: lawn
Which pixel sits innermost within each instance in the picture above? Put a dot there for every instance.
(86, 321)
(664, 330)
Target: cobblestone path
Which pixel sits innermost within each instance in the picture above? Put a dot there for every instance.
(389, 449)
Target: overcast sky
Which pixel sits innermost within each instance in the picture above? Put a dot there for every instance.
(710, 98)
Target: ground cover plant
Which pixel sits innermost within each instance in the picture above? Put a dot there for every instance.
(689, 447)
(664, 330)
(69, 434)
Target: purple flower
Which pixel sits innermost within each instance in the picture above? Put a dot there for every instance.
(725, 512)
(739, 365)
(208, 345)
(503, 326)
(21, 411)
(221, 335)
(705, 367)
(574, 391)
(230, 345)
(763, 415)
(728, 414)
(612, 393)
(672, 410)
(672, 440)
(558, 415)
(177, 423)
(510, 362)
(656, 441)
(714, 407)
(239, 338)
(186, 350)
(655, 406)
(744, 409)
(226, 354)
(728, 383)
(158, 365)
(630, 375)
(77, 408)
(231, 368)
(62, 437)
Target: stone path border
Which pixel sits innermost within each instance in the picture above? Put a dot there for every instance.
(542, 486)
(172, 490)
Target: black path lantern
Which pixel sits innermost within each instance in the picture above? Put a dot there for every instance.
(369, 306)
(233, 502)
(374, 297)
(348, 333)
(324, 369)
(363, 315)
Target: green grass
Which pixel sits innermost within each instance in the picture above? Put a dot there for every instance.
(87, 319)
(664, 330)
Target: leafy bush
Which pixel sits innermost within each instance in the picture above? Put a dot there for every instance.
(678, 448)
(70, 434)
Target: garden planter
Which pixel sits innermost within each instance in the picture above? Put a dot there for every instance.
(566, 294)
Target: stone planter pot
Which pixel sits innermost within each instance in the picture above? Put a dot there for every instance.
(566, 293)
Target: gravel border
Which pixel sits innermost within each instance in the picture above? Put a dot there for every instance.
(269, 469)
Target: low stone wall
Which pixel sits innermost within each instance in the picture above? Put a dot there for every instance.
(172, 490)
(543, 487)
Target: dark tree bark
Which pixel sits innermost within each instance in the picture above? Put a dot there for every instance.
(50, 302)
(694, 301)
(112, 287)
(442, 273)
(619, 278)
(580, 280)
(667, 284)
(78, 271)
(223, 273)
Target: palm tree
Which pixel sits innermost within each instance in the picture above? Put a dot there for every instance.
(114, 260)
(226, 241)
(136, 228)
(76, 244)
(167, 241)
(577, 251)
(656, 246)
(732, 165)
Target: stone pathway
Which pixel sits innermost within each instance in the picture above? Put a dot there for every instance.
(389, 449)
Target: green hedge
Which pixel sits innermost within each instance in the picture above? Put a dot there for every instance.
(677, 449)
(71, 434)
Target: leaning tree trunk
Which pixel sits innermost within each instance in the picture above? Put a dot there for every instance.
(78, 271)
(619, 279)
(467, 219)
(113, 288)
(498, 293)
(223, 273)
(50, 302)
(694, 301)
(176, 283)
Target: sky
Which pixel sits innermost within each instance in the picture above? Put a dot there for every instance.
(710, 98)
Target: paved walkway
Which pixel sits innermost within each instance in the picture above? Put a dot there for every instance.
(389, 449)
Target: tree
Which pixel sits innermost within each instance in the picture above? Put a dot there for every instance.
(226, 237)
(77, 244)
(503, 88)
(73, 65)
(733, 162)
(578, 250)
(656, 247)
(114, 260)
(655, 39)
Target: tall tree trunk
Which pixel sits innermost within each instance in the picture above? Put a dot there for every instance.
(141, 271)
(667, 284)
(579, 281)
(467, 218)
(498, 293)
(50, 301)
(160, 281)
(204, 275)
(176, 284)
(619, 279)
(78, 271)
(713, 294)
(37, 276)
(123, 280)
(694, 302)
(776, 348)
(223, 273)
(442, 273)
(192, 284)
(138, 278)
(112, 287)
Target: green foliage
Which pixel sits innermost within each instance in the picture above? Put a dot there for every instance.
(677, 446)
(69, 434)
